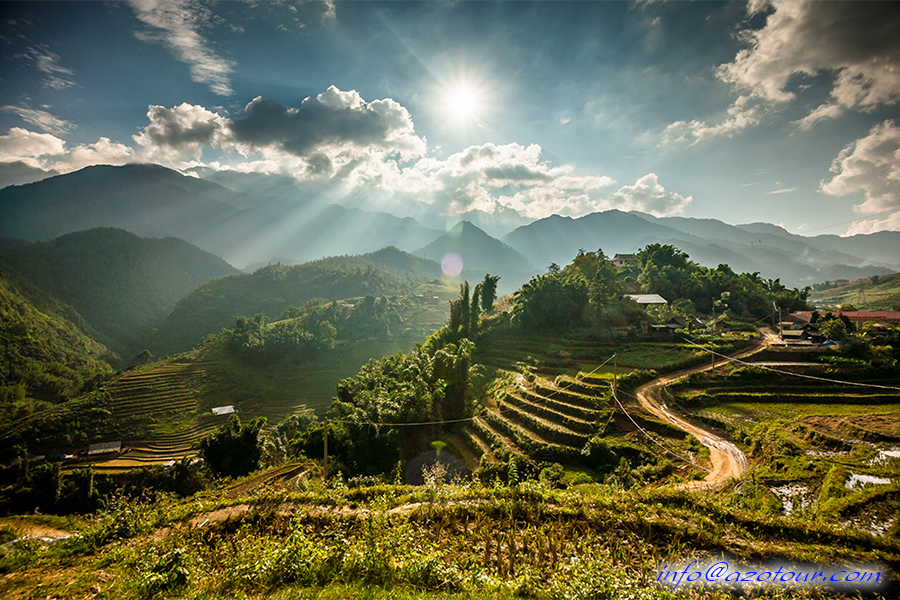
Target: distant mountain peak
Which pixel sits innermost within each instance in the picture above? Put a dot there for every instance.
(764, 228)
(477, 249)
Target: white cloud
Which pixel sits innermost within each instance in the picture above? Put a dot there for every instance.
(49, 153)
(890, 223)
(333, 122)
(321, 138)
(857, 43)
(40, 118)
(648, 196)
(181, 130)
(745, 112)
(56, 76)
(102, 152)
(26, 146)
(176, 25)
(491, 178)
(870, 165)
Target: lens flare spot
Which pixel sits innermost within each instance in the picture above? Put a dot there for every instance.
(452, 264)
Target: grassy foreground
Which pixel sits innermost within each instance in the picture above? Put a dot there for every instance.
(300, 538)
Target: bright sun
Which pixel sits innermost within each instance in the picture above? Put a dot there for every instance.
(462, 103)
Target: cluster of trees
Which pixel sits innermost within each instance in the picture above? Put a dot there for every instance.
(465, 311)
(234, 449)
(254, 340)
(426, 385)
(271, 291)
(369, 417)
(303, 333)
(588, 292)
(669, 272)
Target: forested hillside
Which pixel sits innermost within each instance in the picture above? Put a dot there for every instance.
(45, 358)
(123, 285)
(272, 289)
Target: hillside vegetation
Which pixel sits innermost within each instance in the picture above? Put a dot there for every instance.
(45, 358)
(123, 285)
(881, 292)
(275, 370)
(273, 289)
(509, 454)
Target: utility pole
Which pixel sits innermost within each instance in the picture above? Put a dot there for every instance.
(615, 371)
(780, 327)
(325, 461)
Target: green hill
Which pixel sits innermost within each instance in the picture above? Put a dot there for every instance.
(880, 292)
(45, 358)
(272, 289)
(160, 409)
(123, 285)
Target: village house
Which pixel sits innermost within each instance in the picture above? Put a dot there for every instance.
(625, 261)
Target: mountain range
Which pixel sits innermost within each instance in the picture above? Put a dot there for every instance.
(756, 247)
(252, 219)
(153, 201)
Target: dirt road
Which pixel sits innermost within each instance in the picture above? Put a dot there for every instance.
(727, 459)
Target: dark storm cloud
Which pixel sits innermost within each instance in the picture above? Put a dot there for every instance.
(333, 118)
(321, 128)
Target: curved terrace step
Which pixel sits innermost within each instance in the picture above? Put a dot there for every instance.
(584, 414)
(544, 411)
(544, 430)
(538, 446)
(478, 444)
(495, 439)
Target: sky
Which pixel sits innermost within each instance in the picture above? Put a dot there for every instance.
(782, 112)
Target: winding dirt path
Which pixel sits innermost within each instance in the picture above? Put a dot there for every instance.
(727, 459)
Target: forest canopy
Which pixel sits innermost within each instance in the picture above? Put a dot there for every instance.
(589, 290)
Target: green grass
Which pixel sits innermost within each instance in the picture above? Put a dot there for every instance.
(435, 541)
(764, 411)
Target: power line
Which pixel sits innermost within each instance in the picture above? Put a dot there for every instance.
(423, 423)
(650, 437)
(737, 360)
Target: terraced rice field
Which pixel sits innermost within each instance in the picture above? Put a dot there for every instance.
(165, 400)
(538, 420)
(561, 398)
(559, 401)
(848, 412)
(170, 388)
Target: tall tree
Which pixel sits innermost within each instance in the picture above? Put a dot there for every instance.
(475, 310)
(489, 291)
(464, 309)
